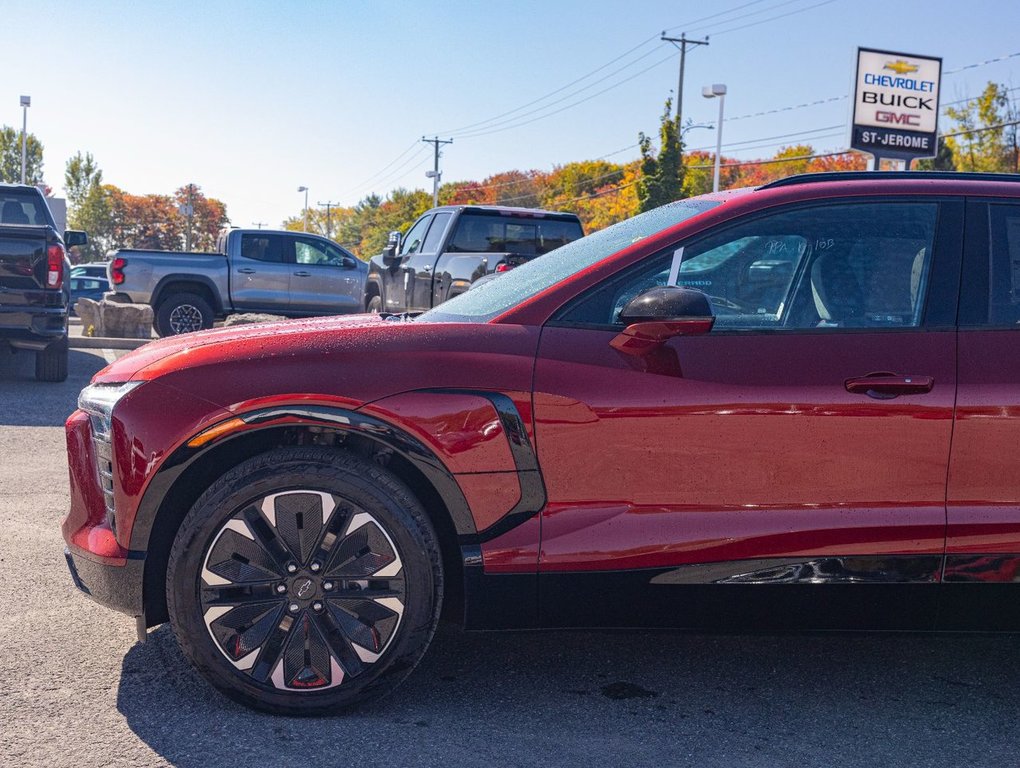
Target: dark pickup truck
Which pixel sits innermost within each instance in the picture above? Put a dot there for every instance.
(34, 284)
(450, 247)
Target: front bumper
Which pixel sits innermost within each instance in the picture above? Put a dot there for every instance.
(116, 586)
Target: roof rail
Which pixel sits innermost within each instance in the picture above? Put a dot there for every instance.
(809, 178)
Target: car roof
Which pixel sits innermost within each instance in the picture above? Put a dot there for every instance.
(505, 210)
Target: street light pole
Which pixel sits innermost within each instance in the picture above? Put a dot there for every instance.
(305, 190)
(717, 90)
(26, 102)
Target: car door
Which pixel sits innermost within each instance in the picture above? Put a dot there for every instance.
(324, 278)
(398, 278)
(803, 441)
(260, 273)
(983, 492)
(420, 265)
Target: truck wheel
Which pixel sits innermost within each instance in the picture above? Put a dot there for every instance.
(51, 363)
(374, 303)
(305, 580)
(183, 313)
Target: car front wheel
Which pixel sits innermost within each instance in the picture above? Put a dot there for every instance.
(304, 581)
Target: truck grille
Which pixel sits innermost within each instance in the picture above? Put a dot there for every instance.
(104, 469)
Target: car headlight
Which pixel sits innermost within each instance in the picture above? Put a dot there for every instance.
(98, 401)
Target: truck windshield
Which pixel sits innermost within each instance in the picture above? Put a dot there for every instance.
(501, 233)
(23, 206)
(495, 297)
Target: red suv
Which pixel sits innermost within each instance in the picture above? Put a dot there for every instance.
(796, 406)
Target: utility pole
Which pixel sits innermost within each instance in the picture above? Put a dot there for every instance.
(682, 42)
(189, 211)
(329, 205)
(434, 174)
(259, 224)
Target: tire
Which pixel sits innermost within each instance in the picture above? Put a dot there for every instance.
(51, 363)
(183, 313)
(360, 647)
(374, 303)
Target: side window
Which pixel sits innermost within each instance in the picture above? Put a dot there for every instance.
(319, 253)
(413, 239)
(436, 231)
(263, 248)
(1004, 231)
(858, 265)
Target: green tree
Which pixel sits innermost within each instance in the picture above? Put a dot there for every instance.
(662, 175)
(10, 157)
(943, 160)
(986, 141)
(81, 174)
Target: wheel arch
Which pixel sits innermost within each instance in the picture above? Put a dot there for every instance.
(189, 472)
(197, 284)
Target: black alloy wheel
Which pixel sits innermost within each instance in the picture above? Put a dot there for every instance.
(296, 599)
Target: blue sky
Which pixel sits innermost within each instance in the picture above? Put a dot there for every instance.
(252, 99)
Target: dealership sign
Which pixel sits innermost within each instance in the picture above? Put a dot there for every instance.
(896, 104)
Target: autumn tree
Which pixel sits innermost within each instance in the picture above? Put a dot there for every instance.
(209, 216)
(10, 157)
(987, 137)
(662, 174)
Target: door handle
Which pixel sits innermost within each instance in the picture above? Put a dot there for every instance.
(302, 273)
(885, 386)
(246, 271)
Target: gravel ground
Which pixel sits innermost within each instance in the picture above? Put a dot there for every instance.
(76, 689)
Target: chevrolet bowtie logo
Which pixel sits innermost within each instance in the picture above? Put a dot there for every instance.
(900, 67)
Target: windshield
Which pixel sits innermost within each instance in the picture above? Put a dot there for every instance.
(495, 297)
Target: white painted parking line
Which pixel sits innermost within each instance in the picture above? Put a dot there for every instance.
(109, 355)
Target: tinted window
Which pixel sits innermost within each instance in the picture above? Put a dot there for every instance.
(19, 206)
(1004, 226)
(263, 248)
(838, 266)
(436, 231)
(413, 239)
(531, 236)
(497, 296)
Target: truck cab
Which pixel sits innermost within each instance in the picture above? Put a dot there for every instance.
(450, 247)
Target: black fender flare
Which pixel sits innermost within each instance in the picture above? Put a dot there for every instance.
(412, 449)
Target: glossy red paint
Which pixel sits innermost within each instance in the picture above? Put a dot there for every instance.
(749, 446)
(984, 486)
(463, 430)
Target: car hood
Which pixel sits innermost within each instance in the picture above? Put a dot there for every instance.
(189, 348)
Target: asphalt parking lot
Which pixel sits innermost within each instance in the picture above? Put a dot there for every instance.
(76, 689)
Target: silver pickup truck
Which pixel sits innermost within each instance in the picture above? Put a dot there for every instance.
(294, 274)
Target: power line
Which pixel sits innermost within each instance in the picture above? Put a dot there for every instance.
(774, 18)
(568, 106)
(724, 22)
(556, 91)
(485, 126)
(690, 24)
(362, 184)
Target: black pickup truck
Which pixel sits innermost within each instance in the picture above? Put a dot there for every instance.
(450, 247)
(34, 279)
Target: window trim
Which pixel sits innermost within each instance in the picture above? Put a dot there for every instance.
(976, 278)
(946, 267)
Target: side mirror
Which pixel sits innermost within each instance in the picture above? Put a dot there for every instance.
(389, 253)
(659, 314)
(74, 238)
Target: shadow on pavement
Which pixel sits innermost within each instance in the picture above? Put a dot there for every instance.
(590, 698)
(25, 402)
